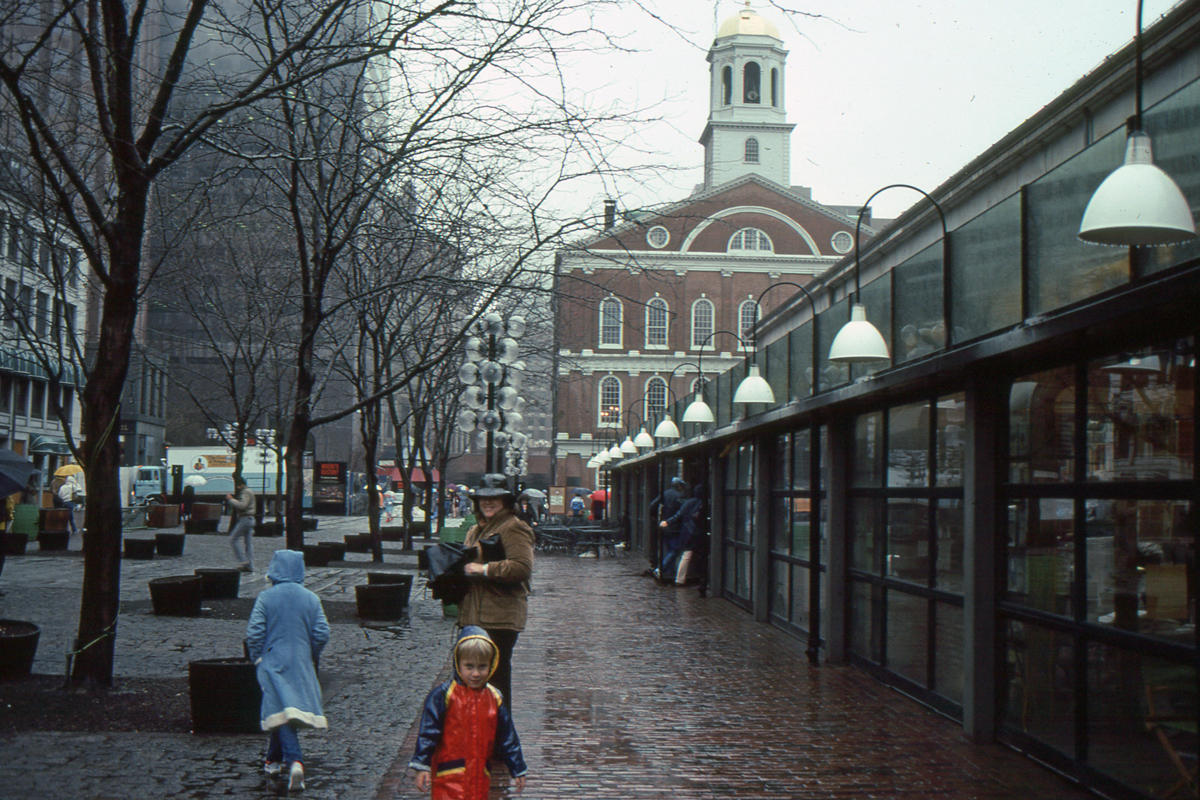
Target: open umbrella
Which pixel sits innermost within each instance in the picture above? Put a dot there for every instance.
(195, 480)
(14, 472)
(581, 491)
(67, 470)
(534, 494)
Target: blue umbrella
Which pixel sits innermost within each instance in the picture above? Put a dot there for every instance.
(15, 471)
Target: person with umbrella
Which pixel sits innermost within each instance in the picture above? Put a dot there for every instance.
(16, 474)
(66, 490)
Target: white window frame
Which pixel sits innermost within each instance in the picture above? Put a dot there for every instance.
(666, 324)
(608, 302)
(654, 383)
(743, 331)
(697, 341)
(742, 236)
(751, 151)
(615, 420)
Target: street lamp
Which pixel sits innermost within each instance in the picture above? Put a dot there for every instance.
(746, 392)
(754, 388)
(265, 438)
(492, 375)
(859, 341)
(1138, 203)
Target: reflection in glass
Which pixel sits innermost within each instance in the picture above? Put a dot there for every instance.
(918, 306)
(908, 539)
(781, 457)
(800, 459)
(1174, 122)
(800, 589)
(864, 544)
(951, 439)
(948, 574)
(779, 589)
(1041, 553)
(776, 364)
(800, 343)
(985, 272)
(908, 446)
(831, 374)
(908, 636)
(864, 628)
(1039, 684)
(1140, 415)
(868, 435)
(948, 652)
(1041, 425)
(1138, 553)
(780, 518)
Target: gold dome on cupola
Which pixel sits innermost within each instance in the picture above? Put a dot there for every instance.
(747, 22)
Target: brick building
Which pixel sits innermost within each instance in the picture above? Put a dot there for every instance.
(636, 303)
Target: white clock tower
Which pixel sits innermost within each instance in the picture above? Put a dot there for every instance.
(747, 131)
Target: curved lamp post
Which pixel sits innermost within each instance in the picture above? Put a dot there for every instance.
(698, 410)
(754, 388)
(859, 341)
(666, 428)
(1138, 203)
(642, 440)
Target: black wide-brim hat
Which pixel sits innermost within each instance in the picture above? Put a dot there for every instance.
(492, 484)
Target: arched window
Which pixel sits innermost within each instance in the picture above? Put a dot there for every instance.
(750, 239)
(775, 88)
(656, 396)
(610, 401)
(702, 321)
(752, 150)
(748, 316)
(751, 92)
(610, 322)
(726, 86)
(656, 323)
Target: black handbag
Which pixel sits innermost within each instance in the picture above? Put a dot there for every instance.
(492, 548)
(445, 561)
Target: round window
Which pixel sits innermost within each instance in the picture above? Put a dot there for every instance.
(658, 236)
(842, 242)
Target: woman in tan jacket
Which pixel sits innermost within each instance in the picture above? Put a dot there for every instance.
(499, 576)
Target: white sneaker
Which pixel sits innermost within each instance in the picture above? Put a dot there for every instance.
(296, 777)
(272, 768)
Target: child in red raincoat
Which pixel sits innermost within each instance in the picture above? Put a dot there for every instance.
(464, 723)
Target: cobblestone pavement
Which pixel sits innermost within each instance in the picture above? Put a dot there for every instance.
(622, 689)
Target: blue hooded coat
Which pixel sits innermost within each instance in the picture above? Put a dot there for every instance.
(285, 635)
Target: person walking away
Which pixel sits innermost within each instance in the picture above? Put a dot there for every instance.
(241, 524)
(187, 501)
(464, 722)
(681, 524)
(667, 505)
(64, 497)
(693, 529)
(498, 582)
(284, 639)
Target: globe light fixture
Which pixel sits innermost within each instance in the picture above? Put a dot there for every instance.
(491, 401)
(1138, 203)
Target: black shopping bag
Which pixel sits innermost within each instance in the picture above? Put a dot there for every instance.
(445, 577)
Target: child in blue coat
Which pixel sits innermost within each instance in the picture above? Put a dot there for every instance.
(284, 638)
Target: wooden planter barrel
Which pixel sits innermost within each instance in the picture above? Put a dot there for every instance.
(308, 523)
(201, 525)
(163, 516)
(54, 519)
(218, 583)
(391, 533)
(142, 549)
(337, 550)
(316, 556)
(209, 511)
(18, 644)
(168, 544)
(379, 578)
(358, 542)
(225, 696)
(13, 544)
(54, 540)
(177, 595)
(381, 600)
(268, 529)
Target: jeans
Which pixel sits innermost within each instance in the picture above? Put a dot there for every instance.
(242, 534)
(284, 745)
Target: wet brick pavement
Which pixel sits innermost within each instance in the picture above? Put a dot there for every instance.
(623, 689)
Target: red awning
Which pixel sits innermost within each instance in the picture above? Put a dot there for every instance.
(418, 475)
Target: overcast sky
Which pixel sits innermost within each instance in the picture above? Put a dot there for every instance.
(880, 91)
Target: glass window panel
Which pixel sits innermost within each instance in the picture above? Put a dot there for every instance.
(745, 463)
(744, 584)
(722, 397)
(950, 439)
(865, 544)
(948, 652)
(1140, 422)
(781, 459)
(801, 456)
(864, 627)
(800, 376)
(779, 589)
(1173, 124)
(776, 365)
(610, 322)
(908, 636)
(908, 445)
(1137, 566)
(800, 590)
(985, 272)
(1039, 683)
(1130, 694)
(1062, 269)
(1041, 553)
(1041, 427)
(801, 525)
(731, 471)
(868, 436)
(702, 323)
(745, 526)
(656, 323)
(908, 539)
(876, 296)
(830, 375)
(918, 311)
(948, 572)
(781, 535)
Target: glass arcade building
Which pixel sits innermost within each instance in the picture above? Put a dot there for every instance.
(1000, 521)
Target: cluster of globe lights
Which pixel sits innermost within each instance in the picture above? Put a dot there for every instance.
(491, 401)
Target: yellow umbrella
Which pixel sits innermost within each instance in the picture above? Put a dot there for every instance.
(66, 470)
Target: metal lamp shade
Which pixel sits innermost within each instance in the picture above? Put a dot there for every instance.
(753, 388)
(698, 411)
(643, 440)
(667, 429)
(615, 454)
(1138, 203)
(628, 447)
(858, 341)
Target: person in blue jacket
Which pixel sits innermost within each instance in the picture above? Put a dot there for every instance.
(465, 722)
(284, 638)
